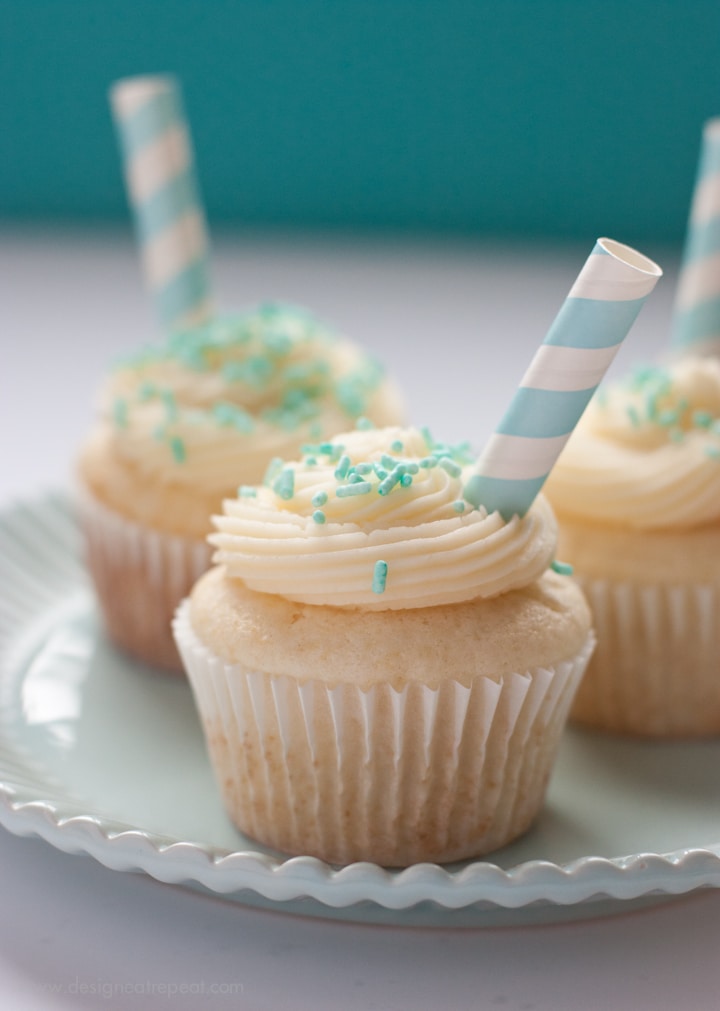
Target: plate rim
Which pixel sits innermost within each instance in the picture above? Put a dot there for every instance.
(282, 879)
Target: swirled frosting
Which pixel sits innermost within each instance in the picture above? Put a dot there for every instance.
(646, 454)
(376, 519)
(212, 406)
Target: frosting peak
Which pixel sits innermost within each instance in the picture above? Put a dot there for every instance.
(376, 519)
(646, 454)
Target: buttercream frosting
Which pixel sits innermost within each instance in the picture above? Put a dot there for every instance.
(376, 519)
(646, 453)
(213, 405)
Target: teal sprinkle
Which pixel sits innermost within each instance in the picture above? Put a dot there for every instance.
(278, 344)
(634, 415)
(412, 467)
(676, 435)
(388, 483)
(170, 405)
(388, 462)
(396, 446)
(703, 419)
(428, 462)
(319, 498)
(346, 490)
(450, 467)
(318, 516)
(380, 472)
(178, 448)
(406, 480)
(713, 452)
(651, 406)
(667, 418)
(337, 452)
(284, 485)
(354, 477)
(326, 448)
(364, 424)
(311, 461)
(247, 491)
(427, 436)
(147, 391)
(715, 427)
(459, 506)
(342, 468)
(273, 469)
(379, 577)
(120, 412)
(364, 468)
(562, 568)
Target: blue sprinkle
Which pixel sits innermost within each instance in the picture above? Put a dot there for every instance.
(318, 516)
(319, 498)
(406, 480)
(703, 419)
(345, 490)
(284, 485)
(177, 447)
(247, 491)
(379, 577)
(450, 467)
(562, 568)
(363, 468)
(364, 424)
(459, 506)
(634, 415)
(342, 468)
(396, 446)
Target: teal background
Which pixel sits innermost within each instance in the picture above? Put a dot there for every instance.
(567, 118)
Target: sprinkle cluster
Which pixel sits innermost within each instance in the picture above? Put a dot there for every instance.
(657, 403)
(385, 474)
(275, 357)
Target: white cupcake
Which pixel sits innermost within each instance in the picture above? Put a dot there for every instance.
(382, 671)
(637, 494)
(183, 426)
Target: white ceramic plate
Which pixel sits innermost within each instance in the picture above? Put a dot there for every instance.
(101, 756)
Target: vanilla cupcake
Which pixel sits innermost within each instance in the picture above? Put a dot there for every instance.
(382, 670)
(185, 425)
(637, 494)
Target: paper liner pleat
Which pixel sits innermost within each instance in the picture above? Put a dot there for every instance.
(140, 577)
(656, 669)
(395, 777)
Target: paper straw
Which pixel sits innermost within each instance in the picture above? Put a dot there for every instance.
(592, 323)
(161, 187)
(696, 322)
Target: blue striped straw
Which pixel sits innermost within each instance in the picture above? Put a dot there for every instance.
(162, 190)
(592, 323)
(696, 321)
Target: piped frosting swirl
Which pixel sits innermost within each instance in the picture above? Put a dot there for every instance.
(646, 454)
(211, 406)
(376, 519)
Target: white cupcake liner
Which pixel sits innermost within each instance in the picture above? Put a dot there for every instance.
(394, 777)
(656, 669)
(140, 577)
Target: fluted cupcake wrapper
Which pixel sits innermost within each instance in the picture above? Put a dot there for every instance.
(656, 670)
(394, 777)
(140, 577)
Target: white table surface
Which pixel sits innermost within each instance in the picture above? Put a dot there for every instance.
(457, 322)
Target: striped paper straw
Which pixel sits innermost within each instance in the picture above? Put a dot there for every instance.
(696, 322)
(565, 372)
(161, 186)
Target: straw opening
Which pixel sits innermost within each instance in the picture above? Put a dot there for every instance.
(630, 256)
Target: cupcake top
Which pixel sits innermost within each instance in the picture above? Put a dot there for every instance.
(646, 453)
(211, 406)
(376, 519)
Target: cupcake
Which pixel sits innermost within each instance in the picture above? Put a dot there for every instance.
(637, 495)
(382, 670)
(185, 425)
